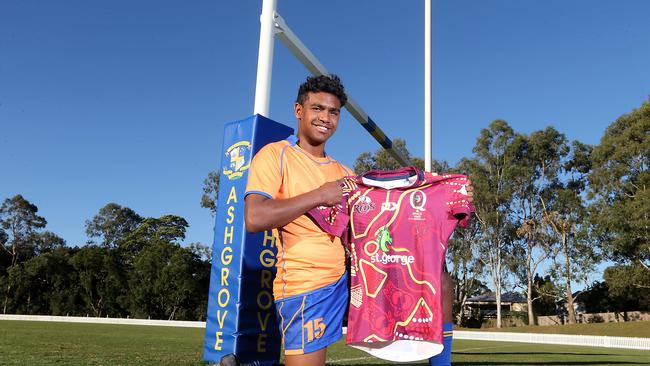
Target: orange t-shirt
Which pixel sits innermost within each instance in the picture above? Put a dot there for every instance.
(308, 258)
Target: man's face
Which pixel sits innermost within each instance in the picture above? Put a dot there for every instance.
(317, 117)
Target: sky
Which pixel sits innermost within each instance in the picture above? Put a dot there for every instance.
(125, 101)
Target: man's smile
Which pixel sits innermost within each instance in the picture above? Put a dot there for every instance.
(321, 128)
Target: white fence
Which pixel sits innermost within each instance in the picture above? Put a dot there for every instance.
(597, 318)
(574, 340)
(81, 319)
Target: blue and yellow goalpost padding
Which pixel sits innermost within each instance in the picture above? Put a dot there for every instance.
(241, 315)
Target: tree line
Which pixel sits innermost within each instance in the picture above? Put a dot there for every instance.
(548, 212)
(132, 266)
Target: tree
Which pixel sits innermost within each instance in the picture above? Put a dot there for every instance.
(536, 178)
(565, 214)
(44, 284)
(111, 225)
(546, 293)
(492, 171)
(623, 284)
(3, 237)
(102, 281)
(202, 251)
(210, 192)
(167, 228)
(47, 242)
(148, 252)
(5, 259)
(466, 268)
(620, 188)
(19, 221)
(168, 282)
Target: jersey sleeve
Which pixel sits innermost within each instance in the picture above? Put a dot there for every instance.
(334, 220)
(457, 200)
(265, 175)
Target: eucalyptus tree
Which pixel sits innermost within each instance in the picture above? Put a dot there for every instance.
(44, 284)
(542, 156)
(566, 215)
(492, 170)
(466, 267)
(620, 188)
(211, 192)
(20, 223)
(103, 286)
(111, 225)
(166, 281)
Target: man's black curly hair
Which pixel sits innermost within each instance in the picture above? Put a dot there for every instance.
(322, 83)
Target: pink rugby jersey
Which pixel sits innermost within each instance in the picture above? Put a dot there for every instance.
(396, 225)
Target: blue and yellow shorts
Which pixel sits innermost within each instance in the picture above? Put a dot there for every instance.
(313, 320)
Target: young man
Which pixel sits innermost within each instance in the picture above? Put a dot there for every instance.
(287, 179)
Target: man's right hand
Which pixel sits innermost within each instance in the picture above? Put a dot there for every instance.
(264, 213)
(331, 193)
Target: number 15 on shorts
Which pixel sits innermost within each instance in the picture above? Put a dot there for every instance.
(315, 329)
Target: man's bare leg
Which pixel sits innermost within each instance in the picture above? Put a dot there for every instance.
(447, 297)
(444, 358)
(316, 358)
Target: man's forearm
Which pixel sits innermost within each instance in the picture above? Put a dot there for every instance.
(262, 213)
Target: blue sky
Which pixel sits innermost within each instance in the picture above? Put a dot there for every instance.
(125, 101)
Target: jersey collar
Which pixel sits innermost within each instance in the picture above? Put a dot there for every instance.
(406, 177)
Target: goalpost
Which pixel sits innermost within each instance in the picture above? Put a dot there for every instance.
(272, 24)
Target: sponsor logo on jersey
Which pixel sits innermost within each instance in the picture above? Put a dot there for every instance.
(384, 239)
(388, 206)
(395, 258)
(364, 205)
(238, 160)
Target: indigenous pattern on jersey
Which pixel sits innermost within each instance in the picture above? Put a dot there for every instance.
(399, 225)
(308, 258)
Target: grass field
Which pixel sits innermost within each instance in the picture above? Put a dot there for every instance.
(49, 343)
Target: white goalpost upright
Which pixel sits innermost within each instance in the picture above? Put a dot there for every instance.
(265, 59)
(428, 116)
(272, 24)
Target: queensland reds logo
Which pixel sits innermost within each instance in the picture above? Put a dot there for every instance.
(364, 205)
(417, 200)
